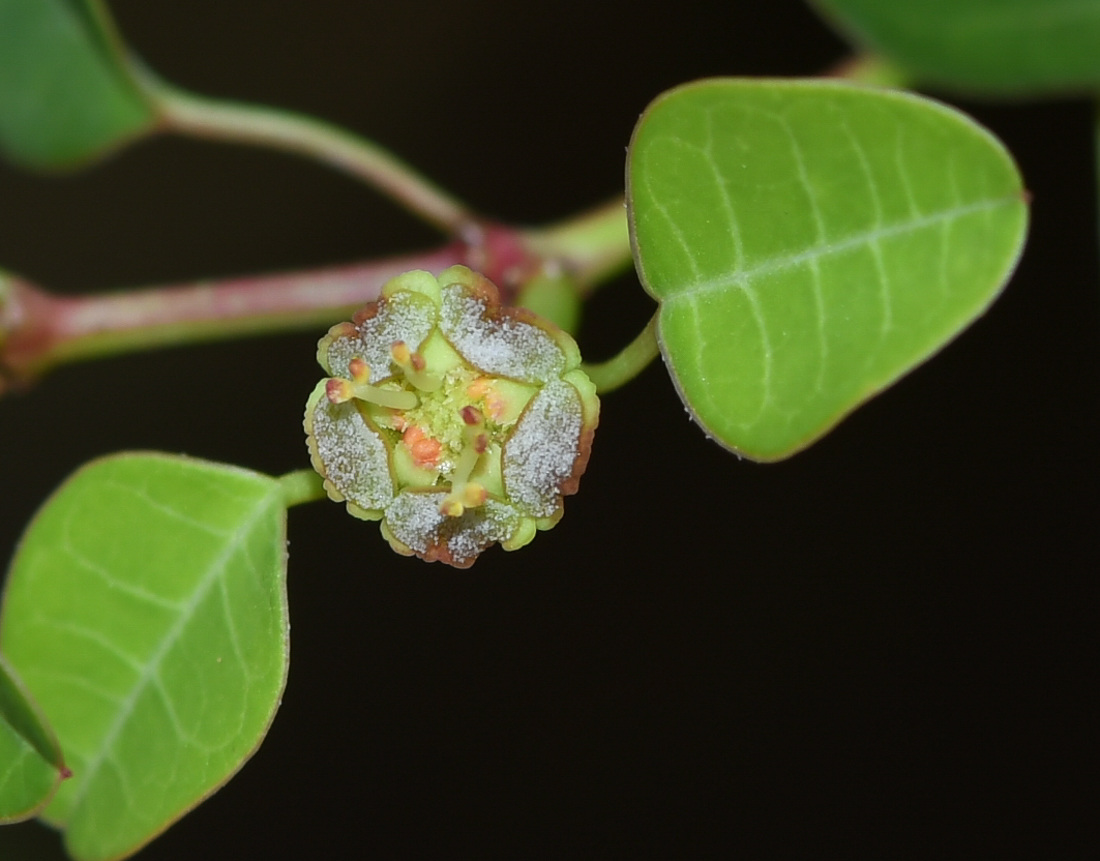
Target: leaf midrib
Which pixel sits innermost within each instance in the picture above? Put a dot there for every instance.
(742, 277)
(171, 636)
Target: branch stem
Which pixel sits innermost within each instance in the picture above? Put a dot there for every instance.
(634, 359)
(594, 246)
(46, 330)
(214, 119)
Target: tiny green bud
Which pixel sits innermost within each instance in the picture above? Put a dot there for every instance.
(553, 297)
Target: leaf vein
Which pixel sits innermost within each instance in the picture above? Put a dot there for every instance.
(842, 246)
(150, 672)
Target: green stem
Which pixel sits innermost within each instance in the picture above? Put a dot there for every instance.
(302, 485)
(624, 367)
(197, 116)
(593, 246)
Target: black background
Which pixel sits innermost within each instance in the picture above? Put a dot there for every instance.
(883, 647)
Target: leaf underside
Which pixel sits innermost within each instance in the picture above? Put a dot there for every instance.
(995, 47)
(809, 242)
(146, 611)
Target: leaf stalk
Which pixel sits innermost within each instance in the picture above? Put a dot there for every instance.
(624, 367)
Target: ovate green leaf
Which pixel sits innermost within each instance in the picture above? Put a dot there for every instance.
(810, 242)
(65, 92)
(146, 612)
(31, 764)
(987, 46)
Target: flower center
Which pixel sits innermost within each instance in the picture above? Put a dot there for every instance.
(445, 421)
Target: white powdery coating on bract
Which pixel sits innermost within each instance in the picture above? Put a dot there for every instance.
(415, 520)
(540, 454)
(503, 346)
(355, 458)
(404, 316)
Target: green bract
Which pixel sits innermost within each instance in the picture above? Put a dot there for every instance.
(455, 421)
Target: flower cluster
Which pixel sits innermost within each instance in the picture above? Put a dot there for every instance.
(455, 421)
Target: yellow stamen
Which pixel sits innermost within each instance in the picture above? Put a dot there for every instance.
(465, 493)
(482, 389)
(414, 365)
(473, 495)
(340, 391)
(359, 370)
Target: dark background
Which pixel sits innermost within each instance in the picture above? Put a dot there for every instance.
(881, 648)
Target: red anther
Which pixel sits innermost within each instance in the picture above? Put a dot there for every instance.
(417, 361)
(481, 443)
(337, 390)
(472, 415)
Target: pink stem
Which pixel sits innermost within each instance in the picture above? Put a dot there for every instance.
(45, 330)
(39, 330)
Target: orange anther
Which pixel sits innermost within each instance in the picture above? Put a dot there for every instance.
(495, 405)
(482, 389)
(478, 388)
(359, 370)
(425, 451)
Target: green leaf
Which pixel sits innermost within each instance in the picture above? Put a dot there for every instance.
(809, 243)
(982, 46)
(31, 764)
(65, 92)
(146, 611)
